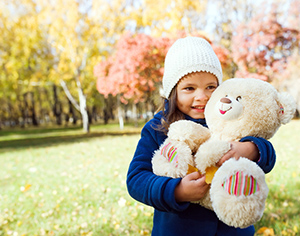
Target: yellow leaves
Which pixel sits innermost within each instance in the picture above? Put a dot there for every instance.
(144, 232)
(265, 231)
(210, 172)
(289, 232)
(295, 228)
(170, 15)
(191, 169)
(25, 188)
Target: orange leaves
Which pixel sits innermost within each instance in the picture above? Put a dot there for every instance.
(266, 231)
(135, 68)
(263, 46)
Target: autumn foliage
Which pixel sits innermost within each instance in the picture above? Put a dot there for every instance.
(261, 49)
(136, 68)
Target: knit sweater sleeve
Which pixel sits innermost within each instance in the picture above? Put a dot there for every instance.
(143, 185)
(266, 150)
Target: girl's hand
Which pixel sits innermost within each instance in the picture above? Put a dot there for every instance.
(241, 149)
(191, 188)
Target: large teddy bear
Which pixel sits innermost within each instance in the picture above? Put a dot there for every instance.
(236, 109)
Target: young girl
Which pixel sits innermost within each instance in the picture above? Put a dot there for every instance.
(192, 73)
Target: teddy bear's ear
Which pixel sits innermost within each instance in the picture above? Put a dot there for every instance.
(287, 107)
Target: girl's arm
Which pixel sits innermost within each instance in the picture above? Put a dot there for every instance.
(267, 154)
(142, 184)
(258, 150)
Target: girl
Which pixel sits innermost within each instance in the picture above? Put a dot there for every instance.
(192, 73)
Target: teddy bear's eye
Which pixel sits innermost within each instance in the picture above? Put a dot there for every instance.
(238, 98)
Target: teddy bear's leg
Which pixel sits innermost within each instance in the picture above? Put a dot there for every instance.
(238, 192)
(172, 159)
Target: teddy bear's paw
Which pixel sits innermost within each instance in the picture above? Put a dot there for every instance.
(238, 192)
(187, 131)
(172, 159)
(209, 153)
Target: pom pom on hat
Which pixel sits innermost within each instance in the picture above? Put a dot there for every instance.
(187, 55)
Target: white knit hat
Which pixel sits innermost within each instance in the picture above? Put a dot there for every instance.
(187, 55)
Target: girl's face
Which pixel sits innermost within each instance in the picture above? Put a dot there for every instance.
(194, 91)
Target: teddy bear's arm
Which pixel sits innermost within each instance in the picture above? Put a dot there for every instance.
(210, 153)
(189, 132)
(172, 159)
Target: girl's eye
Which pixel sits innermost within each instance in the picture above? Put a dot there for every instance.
(189, 88)
(238, 98)
(211, 87)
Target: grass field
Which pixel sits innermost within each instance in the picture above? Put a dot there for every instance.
(62, 182)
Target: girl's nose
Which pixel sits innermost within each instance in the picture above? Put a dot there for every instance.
(200, 95)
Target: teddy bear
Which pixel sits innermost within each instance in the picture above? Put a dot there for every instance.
(237, 108)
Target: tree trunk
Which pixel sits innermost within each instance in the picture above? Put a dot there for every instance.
(120, 115)
(57, 108)
(134, 114)
(26, 108)
(72, 113)
(94, 113)
(22, 110)
(82, 102)
(83, 110)
(32, 110)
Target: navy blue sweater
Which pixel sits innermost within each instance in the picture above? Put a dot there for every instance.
(172, 218)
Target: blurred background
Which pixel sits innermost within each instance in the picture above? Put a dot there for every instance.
(78, 80)
(79, 62)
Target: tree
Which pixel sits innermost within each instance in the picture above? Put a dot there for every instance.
(135, 70)
(167, 17)
(261, 48)
(24, 57)
(74, 37)
(227, 15)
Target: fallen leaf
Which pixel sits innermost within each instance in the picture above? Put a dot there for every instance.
(210, 172)
(266, 231)
(25, 188)
(191, 169)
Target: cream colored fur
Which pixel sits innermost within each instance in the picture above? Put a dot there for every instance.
(237, 108)
(184, 136)
(232, 209)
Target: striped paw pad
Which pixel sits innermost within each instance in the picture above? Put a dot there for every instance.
(170, 152)
(241, 184)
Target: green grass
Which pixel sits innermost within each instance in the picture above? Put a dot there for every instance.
(38, 137)
(65, 182)
(70, 184)
(283, 202)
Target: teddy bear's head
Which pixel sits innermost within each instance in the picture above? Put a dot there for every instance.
(247, 107)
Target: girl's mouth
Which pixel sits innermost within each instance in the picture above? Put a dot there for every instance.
(198, 107)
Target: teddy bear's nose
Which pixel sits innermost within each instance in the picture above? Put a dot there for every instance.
(225, 100)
